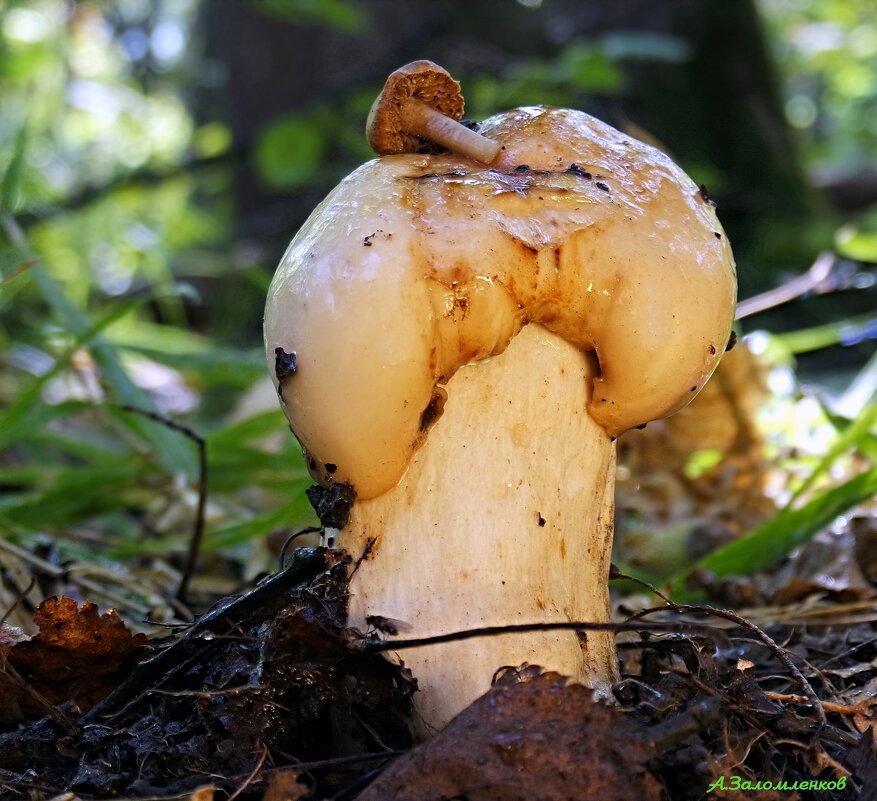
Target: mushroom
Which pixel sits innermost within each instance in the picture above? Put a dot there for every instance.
(468, 344)
(418, 108)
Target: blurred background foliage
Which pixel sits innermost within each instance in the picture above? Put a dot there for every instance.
(156, 157)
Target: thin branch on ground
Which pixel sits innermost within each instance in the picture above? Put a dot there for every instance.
(817, 279)
(376, 646)
(22, 594)
(616, 575)
(198, 525)
(253, 774)
(287, 543)
(778, 651)
(24, 687)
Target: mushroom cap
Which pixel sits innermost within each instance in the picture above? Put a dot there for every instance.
(424, 81)
(416, 265)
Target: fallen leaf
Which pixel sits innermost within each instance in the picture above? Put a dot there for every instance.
(285, 786)
(863, 762)
(77, 654)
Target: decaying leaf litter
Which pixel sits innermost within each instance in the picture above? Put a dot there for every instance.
(268, 696)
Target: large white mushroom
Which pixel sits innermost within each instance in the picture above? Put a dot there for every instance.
(469, 341)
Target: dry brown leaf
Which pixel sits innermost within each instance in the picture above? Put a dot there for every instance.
(285, 786)
(76, 655)
(64, 624)
(826, 564)
(865, 722)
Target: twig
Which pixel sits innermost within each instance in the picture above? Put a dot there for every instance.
(70, 574)
(859, 708)
(331, 762)
(376, 646)
(19, 270)
(252, 777)
(781, 653)
(198, 524)
(616, 575)
(88, 194)
(224, 692)
(42, 565)
(22, 594)
(815, 279)
(292, 538)
(366, 552)
(39, 699)
(207, 632)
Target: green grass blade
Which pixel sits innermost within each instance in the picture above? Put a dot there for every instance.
(261, 424)
(297, 511)
(78, 493)
(775, 539)
(852, 435)
(172, 450)
(12, 177)
(13, 264)
(27, 412)
(806, 340)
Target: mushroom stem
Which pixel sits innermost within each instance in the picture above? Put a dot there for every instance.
(504, 516)
(425, 121)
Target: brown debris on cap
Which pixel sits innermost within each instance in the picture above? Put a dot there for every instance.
(419, 111)
(424, 81)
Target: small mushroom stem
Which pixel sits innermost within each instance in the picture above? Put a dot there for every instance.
(504, 516)
(434, 126)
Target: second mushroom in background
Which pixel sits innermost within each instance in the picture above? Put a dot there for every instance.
(469, 341)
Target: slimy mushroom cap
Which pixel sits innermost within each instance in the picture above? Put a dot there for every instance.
(416, 265)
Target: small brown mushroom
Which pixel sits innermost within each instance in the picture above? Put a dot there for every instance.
(419, 107)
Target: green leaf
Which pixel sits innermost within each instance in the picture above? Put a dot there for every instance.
(78, 493)
(215, 366)
(866, 444)
(336, 13)
(237, 458)
(26, 411)
(587, 67)
(26, 416)
(258, 425)
(857, 245)
(775, 539)
(645, 46)
(854, 433)
(849, 331)
(173, 452)
(295, 512)
(82, 446)
(289, 152)
(12, 177)
(13, 262)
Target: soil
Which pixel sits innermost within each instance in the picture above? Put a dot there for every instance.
(269, 696)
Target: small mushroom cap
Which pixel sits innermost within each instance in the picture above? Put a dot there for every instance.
(417, 265)
(424, 81)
